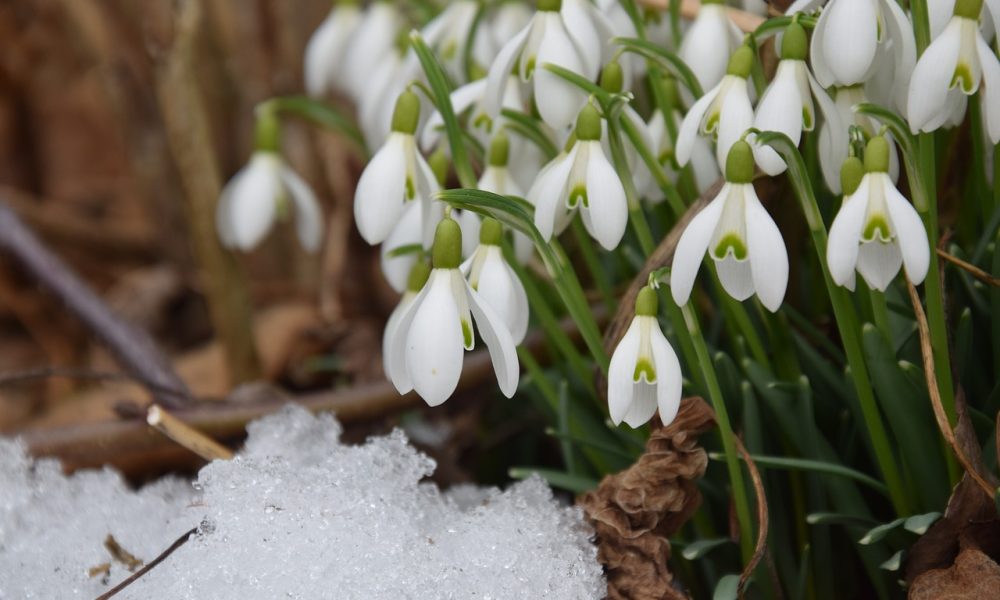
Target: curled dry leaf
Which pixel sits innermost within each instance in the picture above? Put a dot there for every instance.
(636, 510)
(975, 574)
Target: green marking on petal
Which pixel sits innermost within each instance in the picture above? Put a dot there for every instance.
(731, 242)
(449, 51)
(577, 195)
(529, 69)
(483, 121)
(666, 157)
(712, 123)
(411, 190)
(877, 228)
(807, 119)
(644, 368)
(466, 333)
(963, 78)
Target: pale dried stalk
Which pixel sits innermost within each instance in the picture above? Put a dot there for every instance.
(763, 521)
(689, 9)
(185, 435)
(972, 269)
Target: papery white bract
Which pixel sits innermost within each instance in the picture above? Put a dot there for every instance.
(260, 193)
(644, 373)
(326, 50)
(740, 237)
(709, 42)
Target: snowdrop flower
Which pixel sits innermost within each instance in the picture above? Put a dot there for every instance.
(374, 39)
(703, 162)
(709, 42)
(396, 175)
(955, 63)
(834, 145)
(847, 37)
(472, 97)
(415, 280)
(558, 35)
(260, 193)
(739, 236)
(787, 104)
(490, 275)
(448, 33)
(497, 179)
(325, 52)
(582, 178)
(644, 373)
(427, 346)
(877, 230)
(724, 111)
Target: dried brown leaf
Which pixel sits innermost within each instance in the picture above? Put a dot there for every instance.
(974, 576)
(634, 512)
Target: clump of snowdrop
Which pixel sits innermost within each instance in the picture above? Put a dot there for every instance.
(877, 230)
(490, 275)
(724, 112)
(644, 373)
(787, 105)
(583, 179)
(427, 347)
(560, 33)
(709, 42)
(396, 175)
(953, 67)
(264, 191)
(739, 236)
(327, 48)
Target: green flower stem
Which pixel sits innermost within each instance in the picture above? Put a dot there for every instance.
(590, 259)
(741, 499)
(847, 322)
(880, 313)
(636, 215)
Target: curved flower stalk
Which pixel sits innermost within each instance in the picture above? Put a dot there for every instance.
(739, 236)
(562, 33)
(397, 174)
(324, 59)
(850, 34)
(787, 104)
(581, 178)
(877, 230)
(832, 153)
(644, 374)
(373, 41)
(709, 43)
(427, 346)
(489, 274)
(953, 67)
(703, 162)
(260, 193)
(496, 178)
(724, 112)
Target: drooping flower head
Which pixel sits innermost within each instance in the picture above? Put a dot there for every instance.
(739, 236)
(427, 347)
(703, 163)
(326, 51)
(709, 42)
(644, 373)
(490, 275)
(877, 230)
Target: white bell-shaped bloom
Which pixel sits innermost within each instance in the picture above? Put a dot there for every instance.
(876, 230)
(448, 33)
(427, 347)
(481, 123)
(506, 20)
(941, 11)
(561, 33)
(407, 241)
(644, 373)
(374, 39)
(709, 42)
(265, 190)
(787, 104)
(397, 174)
(834, 145)
(490, 275)
(740, 237)
(848, 37)
(724, 112)
(414, 281)
(703, 162)
(953, 66)
(582, 179)
(326, 50)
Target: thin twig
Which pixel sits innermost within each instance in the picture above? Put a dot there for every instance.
(689, 9)
(763, 520)
(185, 435)
(17, 377)
(132, 347)
(163, 555)
(926, 350)
(972, 269)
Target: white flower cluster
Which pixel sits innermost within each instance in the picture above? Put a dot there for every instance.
(506, 61)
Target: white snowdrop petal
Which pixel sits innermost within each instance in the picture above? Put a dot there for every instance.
(378, 198)
(643, 405)
(461, 99)
(470, 224)
(496, 78)
(547, 194)
(878, 263)
(833, 140)
(254, 200)
(766, 249)
(621, 388)
(911, 236)
(690, 126)
(558, 100)
(991, 86)
(817, 56)
(503, 352)
(851, 39)
(780, 109)
(224, 215)
(669, 380)
(321, 55)
(845, 235)
(496, 288)
(932, 78)
(904, 49)
(607, 208)
(735, 118)
(407, 231)
(693, 245)
(398, 370)
(389, 333)
(582, 30)
(434, 346)
(700, 48)
(308, 215)
(736, 276)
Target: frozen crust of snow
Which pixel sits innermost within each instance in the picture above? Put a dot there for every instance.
(295, 515)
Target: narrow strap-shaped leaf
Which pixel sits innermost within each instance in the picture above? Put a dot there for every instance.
(665, 57)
